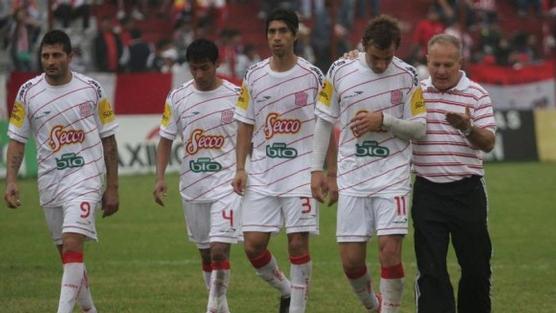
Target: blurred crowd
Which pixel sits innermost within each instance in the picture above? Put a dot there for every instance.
(115, 43)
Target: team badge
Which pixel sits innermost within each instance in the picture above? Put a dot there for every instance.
(396, 96)
(85, 109)
(227, 116)
(301, 98)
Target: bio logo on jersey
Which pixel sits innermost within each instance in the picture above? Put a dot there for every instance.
(202, 165)
(69, 160)
(166, 115)
(371, 148)
(105, 112)
(60, 137)
(18, 114)
(325, 95)
(417, 102)
(275, 125)
(198, 140)
(244, 98)
(280, 150)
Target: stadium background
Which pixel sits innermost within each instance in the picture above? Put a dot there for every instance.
(524, 94)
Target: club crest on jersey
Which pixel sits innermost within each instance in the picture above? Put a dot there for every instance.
(301, 98)
(199, 140)
(275, 125)
(227, 116)
(396, 96)
(60, 137)
(85, 109)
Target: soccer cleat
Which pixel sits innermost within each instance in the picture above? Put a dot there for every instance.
(379, 300)
(284, 304)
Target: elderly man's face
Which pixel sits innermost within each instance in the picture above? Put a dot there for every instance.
(444, 63)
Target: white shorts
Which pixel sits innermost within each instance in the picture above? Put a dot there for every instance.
(267, 214)
(77, 216)
(360, 217)
(217, 221)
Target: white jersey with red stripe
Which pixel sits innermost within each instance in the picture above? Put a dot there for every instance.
(280, 106)
(445, 154)
(376, 163)
(67, 122)
(204, 120)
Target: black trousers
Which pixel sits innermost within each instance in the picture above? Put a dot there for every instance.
(456, 211)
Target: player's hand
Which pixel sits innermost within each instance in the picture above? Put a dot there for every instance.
(319, 186)
(351, 55)
(332, 188)
(11, 196)
(365, 121)
(110, 201)
(239, 182)
(461, 121)
(159, 192)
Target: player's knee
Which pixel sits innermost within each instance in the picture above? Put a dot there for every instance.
(219, 252)
(73, 242)
(298, 244)
(254, 248)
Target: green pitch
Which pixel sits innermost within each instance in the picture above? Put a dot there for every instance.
(144, 264)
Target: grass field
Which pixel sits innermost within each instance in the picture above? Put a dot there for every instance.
(143, 262)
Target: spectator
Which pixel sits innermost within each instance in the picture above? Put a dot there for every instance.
(68, 10)
(165, 59)
(246, 59)
(22, 35)
(108, 47)
(139, 53)
(183, 36)
(424, 31)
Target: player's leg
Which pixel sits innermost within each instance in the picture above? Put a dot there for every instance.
(206, 266)
(473, 249)
(84, 298)
(301, 219)
(224, 231)
(433, 290)
(391, 220)
(263, 219)
(353, 230)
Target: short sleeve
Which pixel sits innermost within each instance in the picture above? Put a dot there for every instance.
(483, 114)
(19, 127)
(106, 118)
(328, 107)
(414, 107)
(168, 125)
(244, 111)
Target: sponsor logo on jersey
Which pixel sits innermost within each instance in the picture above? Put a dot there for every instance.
(371, 148)
(263, 99)
(202, 165)
(325, 95)
(60, 137)
(243, 99)
(417, 103)
(274, 125)
(227, 116)
(354, 94)
(301, 98)
(69, 160)
(199, 140)
(42, 114)
(85, 109)
(280, 150)
(396, 96)
(17, 117)
(105, 112)
(166, 115)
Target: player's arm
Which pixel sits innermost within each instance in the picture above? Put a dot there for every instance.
(14, 157)
(404, 129)
(244, 136)
(331, 169)
(322, 140)
(110, 201)
(163, 152)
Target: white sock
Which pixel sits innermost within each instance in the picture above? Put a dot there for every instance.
(71, 281)
(267, 268)
(391, 288)
(207, 272)
(300, 275)
(84, 297)
(361, 283)
(220, 279)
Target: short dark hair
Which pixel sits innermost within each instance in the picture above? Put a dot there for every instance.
(287, 16)
(200, 50)
(382, 32)
(55, 37)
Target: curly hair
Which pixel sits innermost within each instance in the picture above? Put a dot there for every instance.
(382, 32)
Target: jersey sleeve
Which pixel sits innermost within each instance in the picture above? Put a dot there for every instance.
(106, 118)
(414, 106)
(483, 114)
(244, 111)
(168, 125)
(328, 107)
(19, 127)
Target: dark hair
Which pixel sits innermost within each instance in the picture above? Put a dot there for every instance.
(55, 37)
(382, 32)
(200, 50)
(287, 16)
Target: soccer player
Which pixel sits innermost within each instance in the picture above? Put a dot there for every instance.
(449, 196)
(380, 109)
(201, 112)
(275, 112)
(73, 125)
